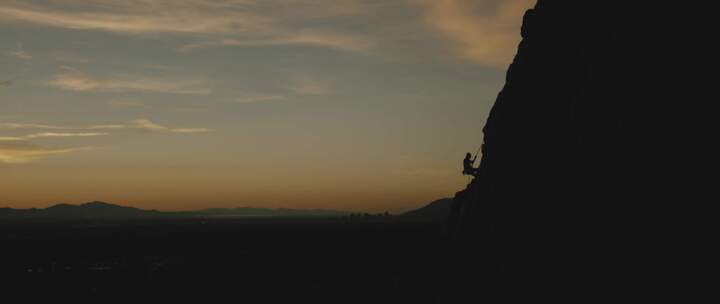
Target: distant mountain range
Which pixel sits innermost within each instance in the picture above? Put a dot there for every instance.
(437, 210)
(102, 210)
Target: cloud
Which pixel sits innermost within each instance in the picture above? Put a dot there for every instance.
(255, 97)
(46, 134)
(309, 85)
(12, 125)
(20, 149)
(22, 55)
(190, 130)
(481, 31)
(138, 124)
(120, 103)
(74, 80)
(18, 152)
(52, 134)
(135, 16)
(147, 125)
(268, 22)
(311, 38)
(163, 67)
(488, 39)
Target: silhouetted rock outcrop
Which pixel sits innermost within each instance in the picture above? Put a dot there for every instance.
(584, 175)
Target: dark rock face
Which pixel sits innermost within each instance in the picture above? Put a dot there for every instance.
(585, 161)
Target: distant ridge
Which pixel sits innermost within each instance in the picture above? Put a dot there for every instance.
(437, 210)
(250, 211)
(91, 210)
(103, 210)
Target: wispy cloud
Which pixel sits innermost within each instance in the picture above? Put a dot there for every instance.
(189, 130)
(138, 124)
(124, 103)
(256, 97)
(19, 53)
(163, 67)
(299, 85)
(74, 80)
(147, 125)
(310, 85)
(13, 125)
(481, 31)
(270, 22)
(489, 38)
(136, 16)
(312, 38)
(53, 134)
(21, 149)
(18, 152)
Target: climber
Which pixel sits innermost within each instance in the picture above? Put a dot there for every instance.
(468, 163)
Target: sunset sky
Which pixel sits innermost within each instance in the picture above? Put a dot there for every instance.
(361, 105)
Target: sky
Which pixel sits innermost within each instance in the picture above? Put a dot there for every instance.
(358, 105)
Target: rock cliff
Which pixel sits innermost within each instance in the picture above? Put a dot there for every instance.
(585, 160)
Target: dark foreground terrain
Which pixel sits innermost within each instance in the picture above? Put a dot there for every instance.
(240, 260)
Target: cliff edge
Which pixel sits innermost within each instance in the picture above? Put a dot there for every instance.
(585, 160)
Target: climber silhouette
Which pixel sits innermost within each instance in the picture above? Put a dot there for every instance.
(468, 163)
